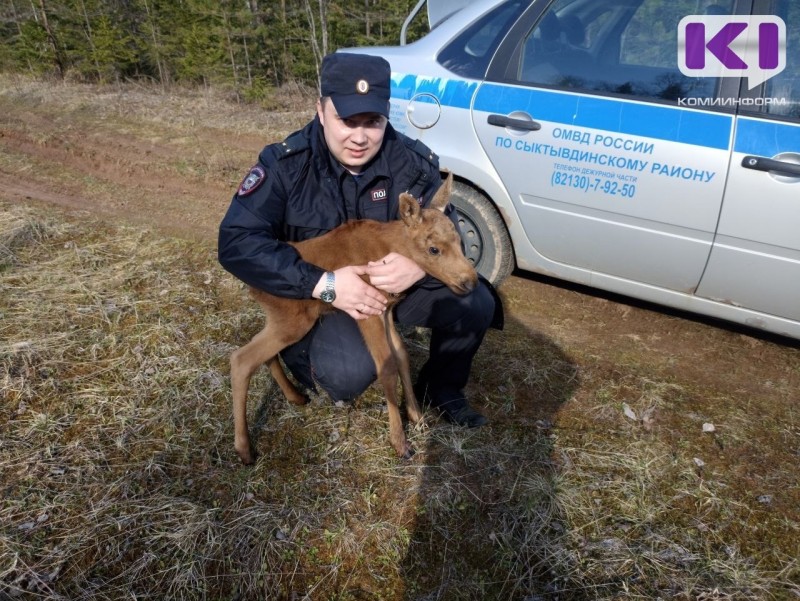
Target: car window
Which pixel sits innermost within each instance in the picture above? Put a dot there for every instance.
(470, 52)
(783, 90)
(624, 47)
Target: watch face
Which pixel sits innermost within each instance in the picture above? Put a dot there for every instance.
(328, 295)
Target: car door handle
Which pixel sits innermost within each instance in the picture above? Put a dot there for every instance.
(765, 164)
(503, 121)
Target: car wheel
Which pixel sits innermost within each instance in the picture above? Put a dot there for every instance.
(486, 240)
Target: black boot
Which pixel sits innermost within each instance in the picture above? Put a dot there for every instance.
(452, 407)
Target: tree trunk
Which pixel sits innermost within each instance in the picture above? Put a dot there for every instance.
(323, 25)
(231, 55)
(313, 39)
(156, 47)
(91, 41)
(284, 72)
(58, 59)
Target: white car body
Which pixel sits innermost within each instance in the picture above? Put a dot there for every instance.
(604, 169)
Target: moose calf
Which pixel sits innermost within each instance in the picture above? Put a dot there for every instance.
(425, 235)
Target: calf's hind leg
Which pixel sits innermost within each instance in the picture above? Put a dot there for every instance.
(263, 348)
(294, 396)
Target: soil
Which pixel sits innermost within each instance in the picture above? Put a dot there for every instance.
(172, 162)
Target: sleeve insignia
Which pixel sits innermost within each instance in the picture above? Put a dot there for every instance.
(252, 181)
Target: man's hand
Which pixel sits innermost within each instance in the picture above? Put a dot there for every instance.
(353, 295)
(394, 273)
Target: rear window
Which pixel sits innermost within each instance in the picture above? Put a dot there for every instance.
(470, 53)
(784, 89)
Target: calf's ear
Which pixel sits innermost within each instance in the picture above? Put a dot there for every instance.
(443, 193)
(410, 212)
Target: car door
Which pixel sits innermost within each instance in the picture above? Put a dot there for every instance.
(588, 121)
(755, 260)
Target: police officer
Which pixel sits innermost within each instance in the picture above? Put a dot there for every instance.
(349, 163)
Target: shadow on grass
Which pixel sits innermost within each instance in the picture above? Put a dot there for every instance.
(488, 521)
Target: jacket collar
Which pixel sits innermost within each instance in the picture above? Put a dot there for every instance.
(379, 167)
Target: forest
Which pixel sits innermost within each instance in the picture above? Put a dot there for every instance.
(247, 46)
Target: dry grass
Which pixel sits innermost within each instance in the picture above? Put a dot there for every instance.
(118, 478)
(145, 104)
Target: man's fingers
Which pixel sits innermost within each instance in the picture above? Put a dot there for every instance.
(355, 296)
(363, 311)
(359, 269)
(372, 296)
(372, 306)
(376, 296)
(357, 315)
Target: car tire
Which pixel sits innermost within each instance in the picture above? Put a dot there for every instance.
(486, 240)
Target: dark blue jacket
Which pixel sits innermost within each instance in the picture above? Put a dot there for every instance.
(304, 193)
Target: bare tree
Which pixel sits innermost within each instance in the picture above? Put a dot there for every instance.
(318, 49)
(58, 57)
(89, 36)
(162, 76)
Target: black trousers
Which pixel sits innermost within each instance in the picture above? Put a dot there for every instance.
(334, 356)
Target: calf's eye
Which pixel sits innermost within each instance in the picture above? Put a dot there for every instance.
(433, 250)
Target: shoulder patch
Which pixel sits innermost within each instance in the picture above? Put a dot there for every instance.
(252, 181)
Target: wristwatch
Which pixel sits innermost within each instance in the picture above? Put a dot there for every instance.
(328, 295)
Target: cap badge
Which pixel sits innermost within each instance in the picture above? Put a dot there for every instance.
(362, 86)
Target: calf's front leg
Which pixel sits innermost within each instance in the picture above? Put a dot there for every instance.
(375, 336)
(400, 354)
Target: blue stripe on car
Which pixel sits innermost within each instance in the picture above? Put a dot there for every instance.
(766, 138)
(675, 124)
(450, 92)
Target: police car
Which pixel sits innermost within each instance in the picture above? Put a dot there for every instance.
(645, 147)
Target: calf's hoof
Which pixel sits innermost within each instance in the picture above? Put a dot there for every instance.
(299, 399)
(406, 452)
(247, 454)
